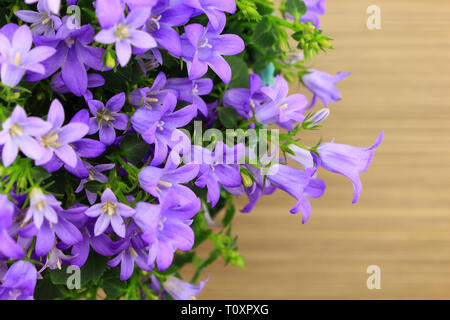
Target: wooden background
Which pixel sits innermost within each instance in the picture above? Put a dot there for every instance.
(400, 83)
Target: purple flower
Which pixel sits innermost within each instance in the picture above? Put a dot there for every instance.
(126, 33)
(59, 138)
(19, 282)
(301, 156)
(107, 118)
(95, 174)
(190, 91)
(84, 148)
(203, 47)
(41, 206)
(95, 80)
(322, 85)
(45, 235)
(214, 9)
(177, 288)
(19, 133)
(300, 184)
(167, 228)
(348, 160)
(110, 212)
(245, 100)
(147, 62)
(42, 22)
(152, 98)
(315, 8)
(8, 246)
(73, 55)
(160, 127)
(129, 251)
(110, 12)
(50, 5)
(55, 259)
(280, 108)
(16, 57)
(158, 181)
(218, 168)
(163, 18)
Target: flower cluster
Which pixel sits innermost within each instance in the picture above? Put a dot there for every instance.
(99, 166)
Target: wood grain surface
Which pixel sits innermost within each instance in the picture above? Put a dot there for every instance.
(400, 83)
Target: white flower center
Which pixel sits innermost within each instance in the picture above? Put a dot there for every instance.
(122, 32)
(109, 208)
(15, 130)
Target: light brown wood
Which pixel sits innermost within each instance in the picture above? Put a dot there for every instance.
(400, 83)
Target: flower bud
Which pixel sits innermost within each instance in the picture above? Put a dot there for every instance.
(110, 60)
(319, 116)
(246, 180)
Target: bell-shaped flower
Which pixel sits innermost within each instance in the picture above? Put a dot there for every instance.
(348, 160)
(176, 288)
(323, 86)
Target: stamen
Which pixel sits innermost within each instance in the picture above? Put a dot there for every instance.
(17, 59)
(104, 117)
(15, 130)
(165, 184)
(109, 208)
(122, 32)
(50, 140)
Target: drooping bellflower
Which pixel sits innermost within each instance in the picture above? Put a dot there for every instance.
(348, 160)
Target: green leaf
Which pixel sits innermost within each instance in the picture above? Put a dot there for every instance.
(39, 174)
(94, 186)
(133, 148)
(296, 8)
(113, 287)
(46, 290)
(93, 269)
(240, 76)
(264, 35)
(228, 117)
